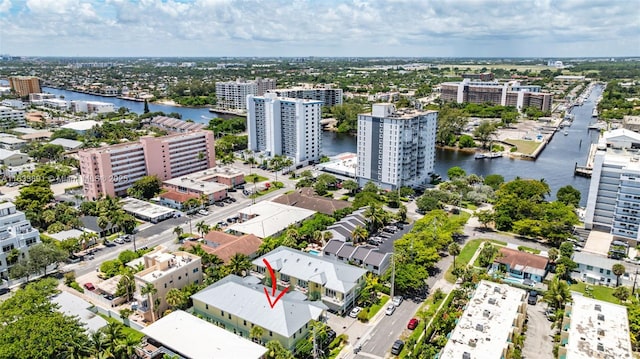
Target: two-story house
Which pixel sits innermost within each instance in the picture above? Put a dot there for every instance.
(336, 284)
(597, 269)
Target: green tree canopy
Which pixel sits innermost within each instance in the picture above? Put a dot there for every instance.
(569, 196)
(146, 187)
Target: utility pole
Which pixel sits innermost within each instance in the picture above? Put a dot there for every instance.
(393, 274)
(633, 291)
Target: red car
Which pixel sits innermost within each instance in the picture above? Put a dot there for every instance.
(413, 323)
(89, 286)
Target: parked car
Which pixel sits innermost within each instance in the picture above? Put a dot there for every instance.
(413, 323)
(89, 286)
(127, 238)
(397, 346)
(119, 240)
(533, 297)
(390, 309)
(203, 212)
(232, 199)
(354, 312)
(219, 204)
(397, 300)
(4, 291)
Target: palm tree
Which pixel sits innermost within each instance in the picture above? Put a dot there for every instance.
(553, 254)
(239, 264)
(317, 237)
(618, 269)
(359, 234)
(454, 250)
(326, 237)
(103, 223)
(376, 217)
(150, 290)
(126, 285)
(97, 342)
(126, 347)
(175, 298)
(558, 293)
(202, 228)
(402, 213)
(178, 231)
(256, 333)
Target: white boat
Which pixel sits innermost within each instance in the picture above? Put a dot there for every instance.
(566, 133)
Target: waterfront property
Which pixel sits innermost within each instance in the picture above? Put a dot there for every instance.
(285, 126)
(594, 329)
(111, 170)
(614, 193)
(16, 236)
(486, 329)
(396, 147)
(232, 95)
(329, 96)
(186, 336)
(24, 85)
(521, 265)
(336, 284)
(164, 271)
(239, 304)
(511, 93)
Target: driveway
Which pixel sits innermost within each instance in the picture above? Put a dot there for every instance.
(539, 340)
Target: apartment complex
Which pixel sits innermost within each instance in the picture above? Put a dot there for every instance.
(165, 271)
(24, 85)
(92, 106)
(232, 95)
(285, 126)
(15, 233)
(329, 96)
(594, 329)
(239, 304)
(486, 329)
(597, 269)
(10, 118)
(396, 147)
(506, 94)
(614, 193)
(111, 170)
(336, 284)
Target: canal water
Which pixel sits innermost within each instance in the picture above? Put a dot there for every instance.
(555, 164)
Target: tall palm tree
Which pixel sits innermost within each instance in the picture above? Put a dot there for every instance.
(558, 293)
(376, 217)
(149, 290)
(98, 342)
(178, 231)
(317, 237)
(618, 269)
(175, 298)
(126, 347)
(454, 250)
(202, 228)
(360, 234)
(239, 264)
(326, 237)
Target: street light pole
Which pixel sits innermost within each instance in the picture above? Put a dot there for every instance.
(633, 291)
(393, 274)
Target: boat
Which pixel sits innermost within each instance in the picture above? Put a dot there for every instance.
(480, 156)
(490, 155)
(566, 133)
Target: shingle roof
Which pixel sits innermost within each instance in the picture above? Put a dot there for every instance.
(346, 251)
(361, 252)
(333, 246)
(306, 198)
(225, 245)
(337, 275)
(247, 301)
(376, 258)
(515, 258)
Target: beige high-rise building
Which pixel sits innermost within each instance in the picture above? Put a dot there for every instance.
(25, 85)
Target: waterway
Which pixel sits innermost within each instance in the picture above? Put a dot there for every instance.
(555, 164)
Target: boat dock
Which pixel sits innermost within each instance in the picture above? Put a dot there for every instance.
(587, 169)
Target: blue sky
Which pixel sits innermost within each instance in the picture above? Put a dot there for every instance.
(422, 28)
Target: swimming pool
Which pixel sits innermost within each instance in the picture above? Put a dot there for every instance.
(314, 252)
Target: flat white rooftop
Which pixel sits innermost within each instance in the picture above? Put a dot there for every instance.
(145, 209)
(344, 164)
(597, 330)
(82, 125)
(197, 339)
(484, 328)
(271, 218)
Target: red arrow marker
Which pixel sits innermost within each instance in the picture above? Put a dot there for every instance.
(274, 286)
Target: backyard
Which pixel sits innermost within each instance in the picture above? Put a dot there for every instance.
(595, 291)
(524, 146)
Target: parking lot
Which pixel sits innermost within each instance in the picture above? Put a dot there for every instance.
(539, 338)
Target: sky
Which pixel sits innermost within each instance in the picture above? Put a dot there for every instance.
(297, 28)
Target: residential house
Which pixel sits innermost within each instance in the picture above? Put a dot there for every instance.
(597, 269)
(68, 145)
(335, 283)
(343, 228)
(368, 257)
(90, 224)
(182, 335)
(165, 271)
(238, 304)
(75, 306)
(12, 158)
(521, 265)
(174, 199)
(11, 143)
(307, 198)
(225, 245)
(265, 219)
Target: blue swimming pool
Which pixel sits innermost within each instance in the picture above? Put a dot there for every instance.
(314, 252)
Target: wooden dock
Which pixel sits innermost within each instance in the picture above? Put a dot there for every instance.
(582, 171)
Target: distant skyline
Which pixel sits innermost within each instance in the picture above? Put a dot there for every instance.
(342, 28)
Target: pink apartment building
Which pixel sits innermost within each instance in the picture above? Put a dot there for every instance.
(113, 169)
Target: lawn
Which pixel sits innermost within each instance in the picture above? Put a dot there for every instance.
(126, 330)
(524, 146)
(529, 249)
(599, 292)
(376, 307)
(463, 258)
(262, 193)
(250, 178)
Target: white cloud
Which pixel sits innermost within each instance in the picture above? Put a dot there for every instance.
(313, 27)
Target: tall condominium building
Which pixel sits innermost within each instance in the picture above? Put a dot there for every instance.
(10, 118)
(507, 94)
(232, 95)
(15, 233)
(24, 85)
(614, 193)
(396, 147)
(113, 169)
(328, 96)
(285, 126)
